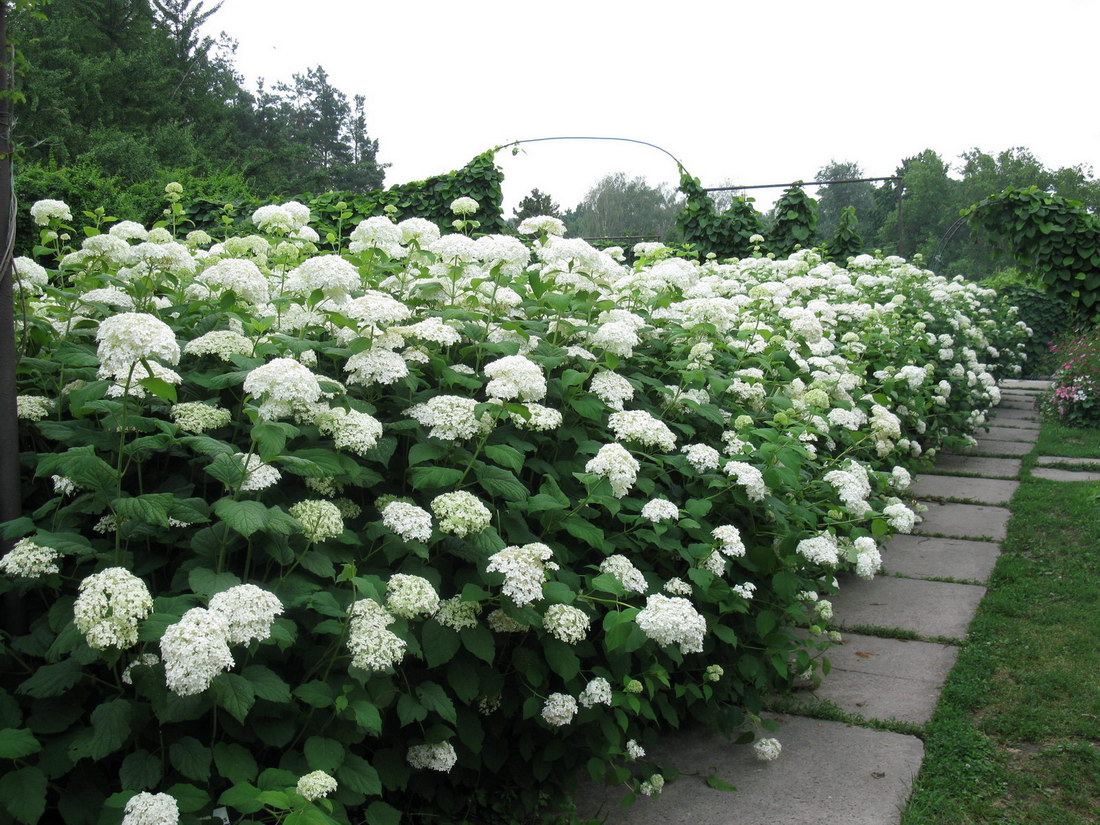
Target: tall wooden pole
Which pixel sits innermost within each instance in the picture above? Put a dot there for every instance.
(11, 504)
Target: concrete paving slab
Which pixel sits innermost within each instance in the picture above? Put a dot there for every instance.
(987, 446)
(886, 678)
(1026, 395)
(1022, 415)
(1054, 474)
(964, 521)
(1010, 434)
(1022, 406)
(867, 781)
(1030, 423)
(964, 488)
(931, 557)
(1024, 384)
(1048, 460)
(923, 607)
(978, 465)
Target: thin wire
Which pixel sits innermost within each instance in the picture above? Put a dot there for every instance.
(594, 137)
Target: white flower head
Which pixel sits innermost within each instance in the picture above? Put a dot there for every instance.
(623, 569)
(411, 596)
(672, 620)
(559, 709)
(616, 464)
(249, 612)
(151, 809)
(515, 377)
(439, 757)
(461, 513)
(195, 650)
(372, 646)
(315, 785)
(109, 607)
(130, 337)
(767, 750)
(567, 623)
(642, 428)
(29, 560)
(596, 692)
(282, 384)
(524, 569)
(660, 509)
(410, 522)
(464, 206)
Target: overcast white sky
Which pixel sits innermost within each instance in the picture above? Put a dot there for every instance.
(755, 92)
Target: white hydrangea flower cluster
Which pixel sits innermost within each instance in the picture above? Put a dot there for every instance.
(258, 475)
(47, 210)
(677, 587)
(351, 430)
(900, 517)
(567, 623)
(611, 388)
(109, 606)
(372, 646)
(767, 750)
(410, 522)
(524, 568)
(596, 692)
(652, 786)
(315, 785)
(221, 343)
(515, 377)
(660, 509)
(541, 225)
(868, 558)
(820, 549)
(197, 417)
(411, 596)
(195, 650)
(540, 418)
(617, 465)
(853, 486)
(32, 407)
(335, 277)
(623, 569)
(151, 809)
(559, 709)
(130, 337)
(239, 275)
(450, 417)
(282, 384)
(672, 620)
(457, 614)
(729, 539)
(702, 457)
(438, 757)
(641, 427)
(748, 477)
(320, 520)
(249, 612)
(461, 513)
(29, 560)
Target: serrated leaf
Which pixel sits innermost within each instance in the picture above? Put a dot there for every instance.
(409, 710)
(23, 793)
(719, 784)
(206, 582)
(246, 517)
(323, 754)
(586, 531)
(160, 388)
(15, 743)
(152, 508)
(110, 730)
(188, 797)
(242, 797)
(191, 758)
(227, 469)
(382, 813)
(479, 641)
(316, 694)
(434, 697)
(359, 775)
(562, 659)
(500, 482)
(505, 456)
(266, 684)
(140, 771)
(438, 643)
(234, 693)
(433, 478)
(234, 762)
(367, 716)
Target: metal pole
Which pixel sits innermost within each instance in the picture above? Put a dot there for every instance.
(795, 183)
(11, 503)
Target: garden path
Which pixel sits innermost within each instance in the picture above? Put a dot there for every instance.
(902, 632)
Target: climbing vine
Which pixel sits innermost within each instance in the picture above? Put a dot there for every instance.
(846, 242)
(795, 222)
(1056, 239)
(727, 234)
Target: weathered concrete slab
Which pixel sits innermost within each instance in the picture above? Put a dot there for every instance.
(1054, 474)
(886, 678)
(932, 557)
(986, 446)
(1048, 460)
(1012, 404)
(1025, 395)
(1022, 415)
(869, 777)
(978, 465)
(1032, 422)
(963, 488)
(1024, 384)
(923, 607)
(964, 521)
(1011, 434)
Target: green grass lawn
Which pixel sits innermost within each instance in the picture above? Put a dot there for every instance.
(1016, 737)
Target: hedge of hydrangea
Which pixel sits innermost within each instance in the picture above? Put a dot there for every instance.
(353, 534)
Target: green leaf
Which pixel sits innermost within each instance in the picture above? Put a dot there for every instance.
(189, 798)
(190, 757)
(206, 582)
(246, 517)
(425, 451)
(382, 813)
(409, 710)
(500, 482)
(433, 478)
(367, 716)
(541, 502)
(242, 797)
(719, 784)
(227, 469)
(316, 694)
(505, 456)
(359, 775)
(479, 641)
(434, 697)
(562, 659)
(83, 467)
(580, 528)
(23, 793)
(140, 771)
(235, 763)
(15, 743)
(234, 693)
(324, 754)
(160, 388)
(151, 508)
(438, 643)
(270, 438)
(266, 684)
(111, 728)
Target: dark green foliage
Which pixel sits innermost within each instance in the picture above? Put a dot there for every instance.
(846, 241)
(728, 234)
(1056, 239)
(1047, 315)
(535, 204)
(795, 224)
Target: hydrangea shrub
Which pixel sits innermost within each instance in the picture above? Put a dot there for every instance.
(350, 537)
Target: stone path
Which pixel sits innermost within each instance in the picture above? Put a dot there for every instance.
(900, 643)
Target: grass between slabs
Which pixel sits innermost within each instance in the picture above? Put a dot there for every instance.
(1015, 739)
